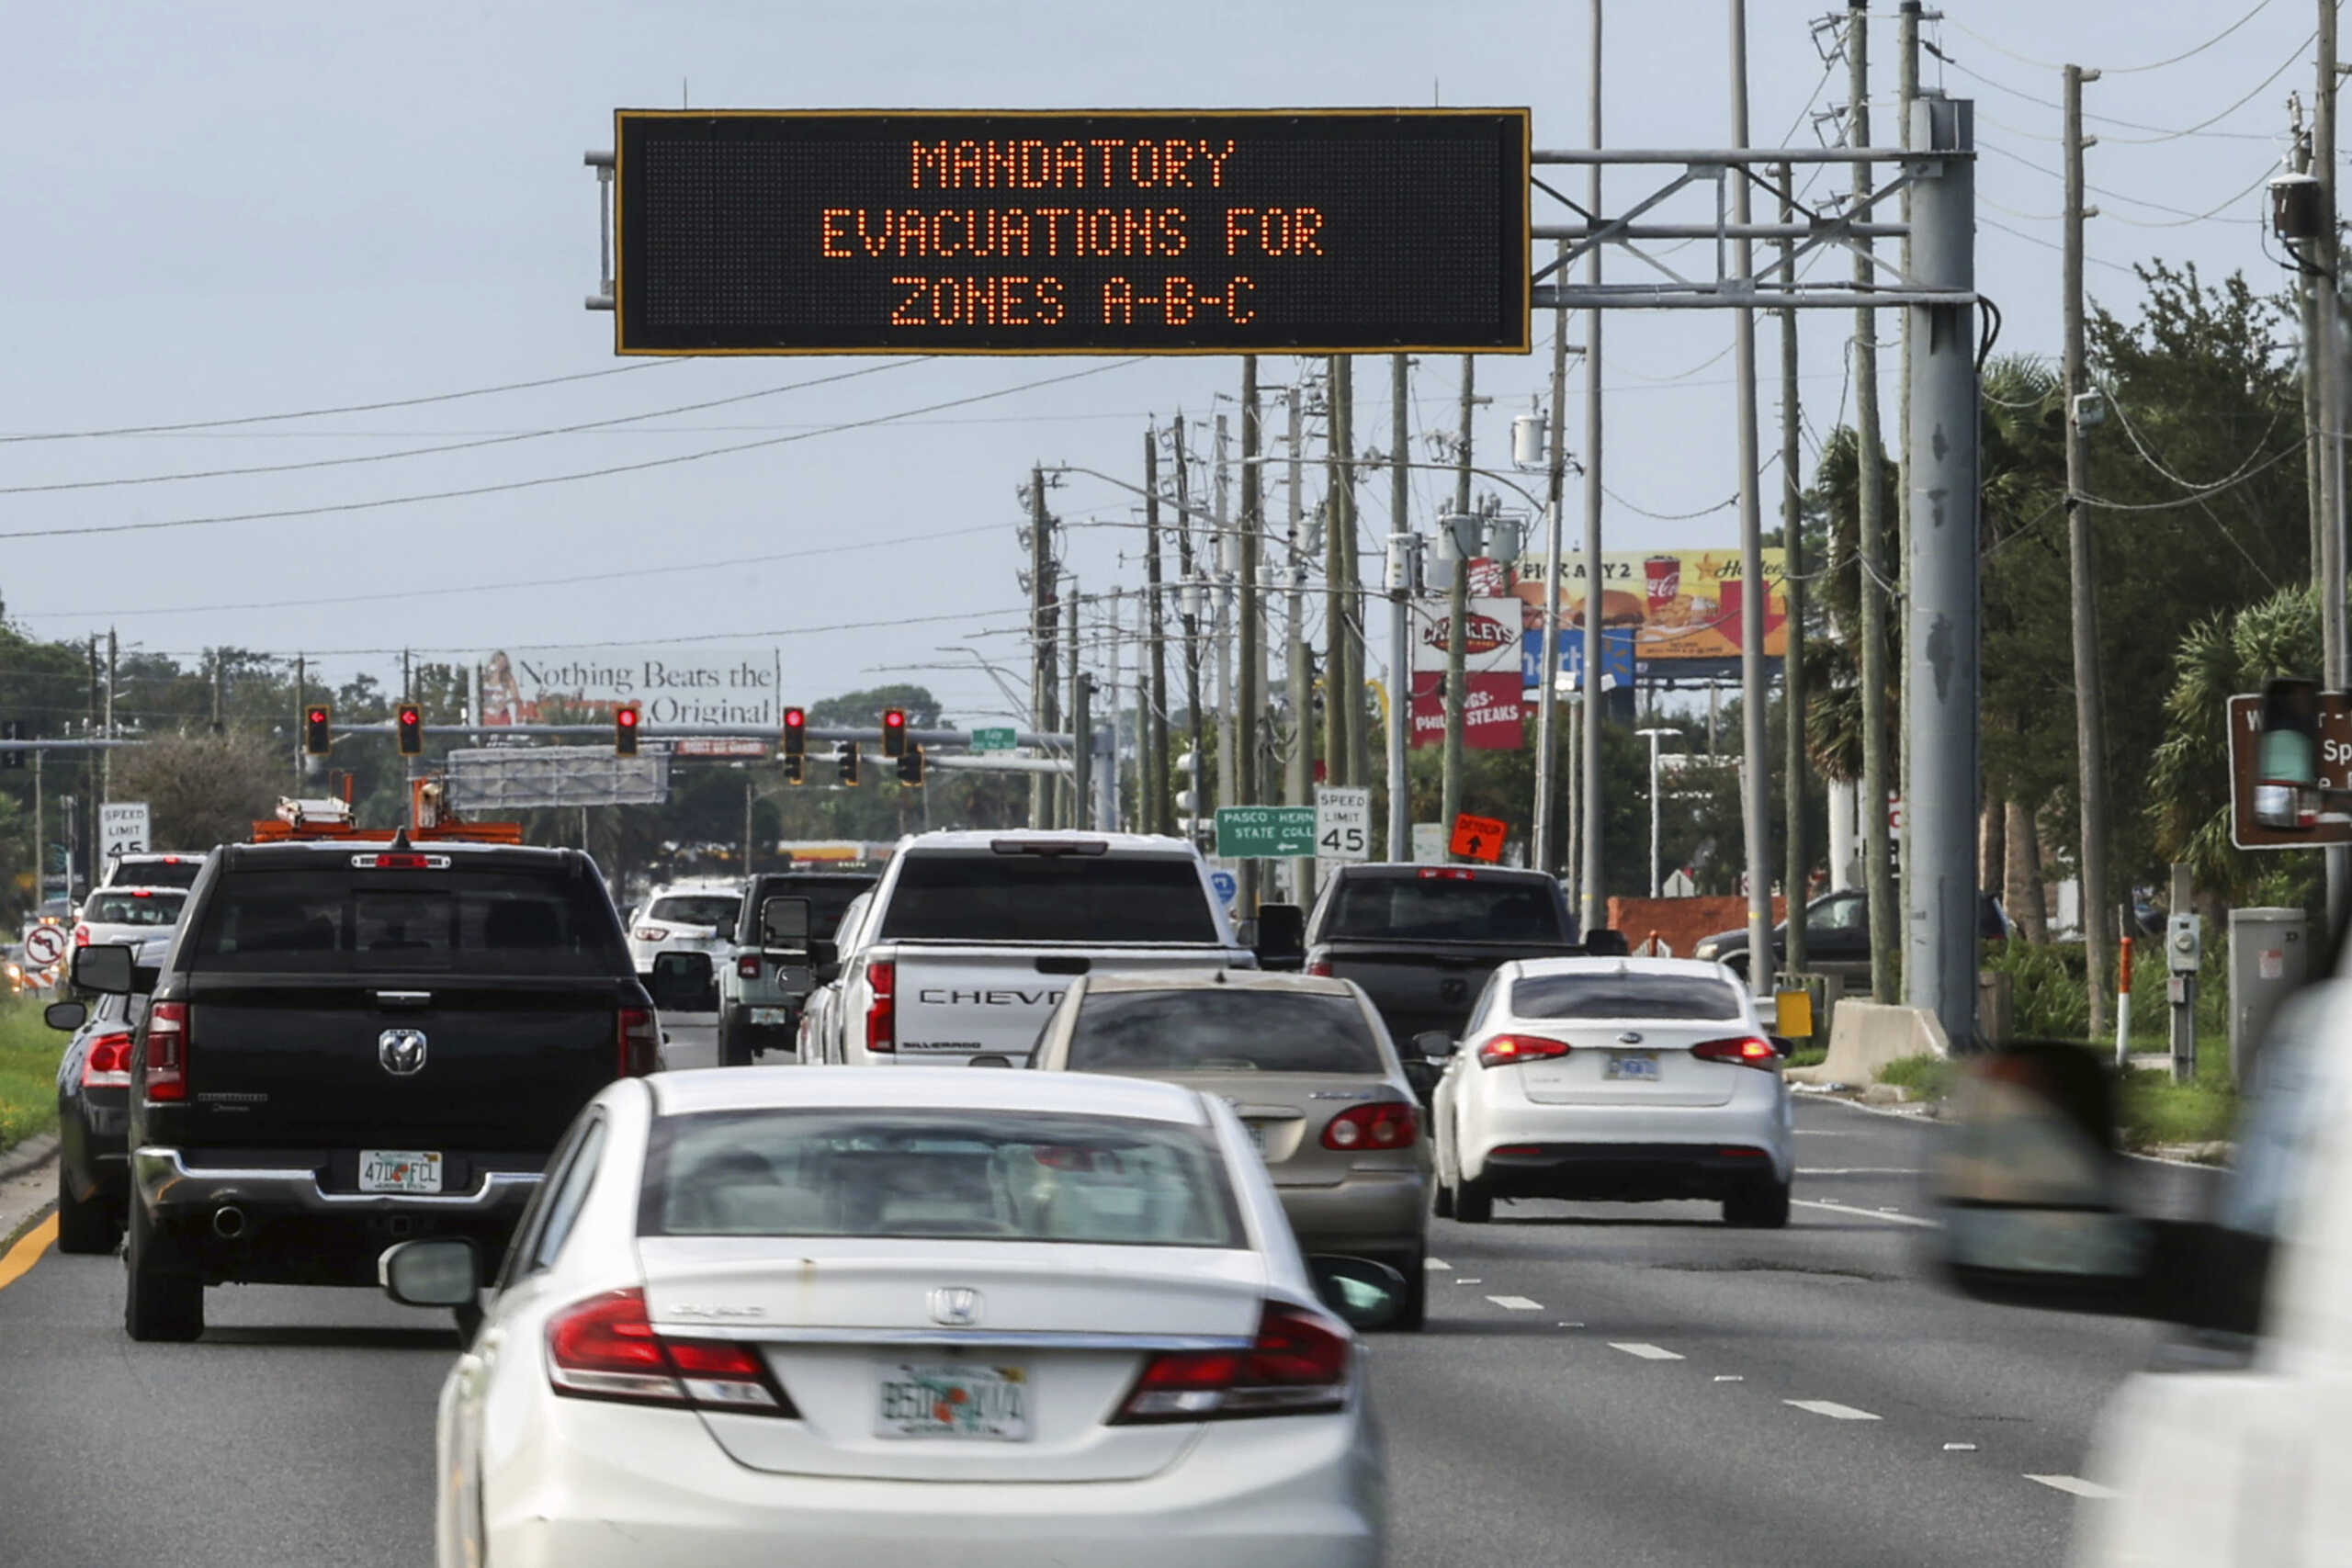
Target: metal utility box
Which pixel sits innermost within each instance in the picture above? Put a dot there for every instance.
(2270, 954)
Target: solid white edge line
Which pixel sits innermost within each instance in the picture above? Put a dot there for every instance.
(2074, 1485)
(1867, 1214)
(1646, 1352)
(1832, 1409)
(1515, 1303)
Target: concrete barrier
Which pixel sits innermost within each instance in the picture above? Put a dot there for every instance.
(1865, 1036)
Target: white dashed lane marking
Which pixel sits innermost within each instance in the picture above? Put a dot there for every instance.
(1515, 1303)
(1646, 1352)
(1858, 1171)
(1832, 1409)
(1836, 1208)
(1437, 1263)
(2074, 1485)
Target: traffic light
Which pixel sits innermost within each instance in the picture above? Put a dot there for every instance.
(318, 729)
(408, 722)
(910, 765)
(894, 732)
(795, 733)
(12, 729)
(795, 768)
(625, 730)
(845, 757)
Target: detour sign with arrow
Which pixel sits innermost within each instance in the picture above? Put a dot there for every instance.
(1478, 838)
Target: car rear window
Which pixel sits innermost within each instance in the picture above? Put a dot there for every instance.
(468, 922)
(158, 871)
(1453, 908)
(696, 910)
(1063, 897)
(1693, 997)
(1211, 1030)
(136, 908)
(1007, 1175)
(827, 901)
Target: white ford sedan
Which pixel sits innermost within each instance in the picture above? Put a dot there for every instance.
(1614, 1080)
(823, 1316)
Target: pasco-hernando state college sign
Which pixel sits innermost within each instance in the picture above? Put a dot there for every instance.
(1129, 231)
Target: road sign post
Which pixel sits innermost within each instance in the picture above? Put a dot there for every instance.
(1342, 823)
(1265, 832)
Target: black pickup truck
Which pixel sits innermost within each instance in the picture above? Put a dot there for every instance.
(350, 1042)
(1421, 940)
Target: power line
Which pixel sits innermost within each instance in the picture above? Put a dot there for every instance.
(1992, 223)
(2111, 70)
(383, 502)
(2159, 133)
(2183, 213)
(348, 408)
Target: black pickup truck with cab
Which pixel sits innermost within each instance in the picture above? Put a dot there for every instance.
(351, 1042)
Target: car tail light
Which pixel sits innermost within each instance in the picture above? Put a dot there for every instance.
(1744, 1050)
(1297, 1365)
(400, 860)
(1321, 966)
(1448, 873)
(605, 1348)
(1383, 1126)
(651, 934)
(881, 1012)
(640, 1043)
(1505, 1049)
(167, 1043)
(106, 1064)
(748, 967)
(81, 936)
(141, 893)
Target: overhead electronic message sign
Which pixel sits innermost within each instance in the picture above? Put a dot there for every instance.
(1133, 231)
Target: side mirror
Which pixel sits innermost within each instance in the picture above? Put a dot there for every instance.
(436, 1271)
(103, 967)
(2286, 763)
(1436, 1045)
(1280, 936)
(783, 926)
(990, 1059)
(67, 1016)
(1364, 1294)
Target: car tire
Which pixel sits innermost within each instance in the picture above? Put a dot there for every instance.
(163, 1300)
(84, 1226)
(1441, 1198)
(734, 1051)
(1760, 1206)
(1412, 1311)
(1474, 1203)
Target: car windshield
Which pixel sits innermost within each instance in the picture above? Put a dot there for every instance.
(1461, 907)
(1035, 898)
(1691, 996)
(475, 921)
(696, 910)
(133, 908)
(1213, 1029)
(1003, 1175)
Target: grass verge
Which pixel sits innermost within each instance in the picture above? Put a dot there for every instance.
(29, 1052)
(1811, 1057)
(2152, 1109)
(1928, 1077)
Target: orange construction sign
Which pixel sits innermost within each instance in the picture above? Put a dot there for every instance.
(1478, 838)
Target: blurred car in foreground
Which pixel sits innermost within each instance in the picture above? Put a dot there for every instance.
(1618, 1079)
(1307, 1066)
(94, 1109)
(834, 1317)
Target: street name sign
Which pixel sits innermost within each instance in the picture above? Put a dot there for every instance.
(2334, 823)
(992, 740)
(1088, 232)
(1264, 832)
(1342, 823)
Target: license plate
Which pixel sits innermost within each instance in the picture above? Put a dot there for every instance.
(1640, 1064)
(400, 1170)
(957, 1400)
(778, 1017)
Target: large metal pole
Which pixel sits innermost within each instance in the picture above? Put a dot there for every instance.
(1222, 568)
(1547, 693)
(1189, 607)
(1152, 761)
(1041, 636)
(1875, 570)
(2338, 859)
(1250, 702)
(1336, 707)
(1755, 768)
(1298, 772)
(2090, 719)
(1081, 750)
(1070, 796)
(1940, 686)
(1793, 771)
(1400, 607)
(1592, 912)
(1458, 606)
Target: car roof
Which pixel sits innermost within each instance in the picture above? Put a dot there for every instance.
(293, 851)
(705, 884)
(1220, 979)
(925, 1088)
(1403, 868)
(969, 840)
(1686, 968)
(138, 887)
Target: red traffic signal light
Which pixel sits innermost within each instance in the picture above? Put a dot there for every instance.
(894, 732)
(409, 730)
(318, 729)
(795, 732)
(625, 730)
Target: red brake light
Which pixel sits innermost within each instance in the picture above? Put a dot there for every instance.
(1505, 1049)
(882, 1012)
(1321, 966)
(748, 966)
(1383, 1126)
(167, 1043)
(605, 1348)
(106, 1064)
(399, 861)
(141, 893)
(1745, 1051)
(1297, 1365)
(651, 934)
(640, 1043)
(1448, 873)
(81, 936)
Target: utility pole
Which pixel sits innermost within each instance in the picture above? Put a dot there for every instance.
(302, 695)
(1594, 912)
(2090, 721)
(1069, 794)
(1189, 599)
(1041, 636)
(1878, 841)
(220, 679)
(1547, 694)
(1401, 576)
(1352, 602)
(1082, 753)
(2329, 284)
(106, 756)
(1159, 815)
(1906, 92)
(1793, 769)
(1457, 604)
(1755, 791)
(1250, 704)
(1223, 572)
(1298, 769)
(1339, 712)
(2307, 302)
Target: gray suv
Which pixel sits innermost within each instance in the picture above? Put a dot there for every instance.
(760, 1000)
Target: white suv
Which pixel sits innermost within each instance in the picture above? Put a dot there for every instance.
(685, 917)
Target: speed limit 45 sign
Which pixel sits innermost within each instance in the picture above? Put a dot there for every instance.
(1342, 823)
(122, 828)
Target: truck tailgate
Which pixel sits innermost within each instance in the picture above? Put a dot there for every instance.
(1421, 986)
(955, 1001)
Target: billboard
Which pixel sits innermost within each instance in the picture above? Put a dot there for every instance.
(718, 686)
(1490, 639)
(1678, 604)
(1113, 232)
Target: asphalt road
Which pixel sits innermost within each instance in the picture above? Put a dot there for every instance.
(1631, 1385)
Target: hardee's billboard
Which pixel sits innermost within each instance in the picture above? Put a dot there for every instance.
(1679, 603)
(1490, 707)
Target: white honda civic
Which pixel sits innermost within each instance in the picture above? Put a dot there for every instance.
(1614, 1080)
(806, 1315)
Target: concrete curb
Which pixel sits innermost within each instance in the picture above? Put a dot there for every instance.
(28, 1157)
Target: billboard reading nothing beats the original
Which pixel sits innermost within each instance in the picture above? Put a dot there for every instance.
(1111, 231)
(736, 687)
